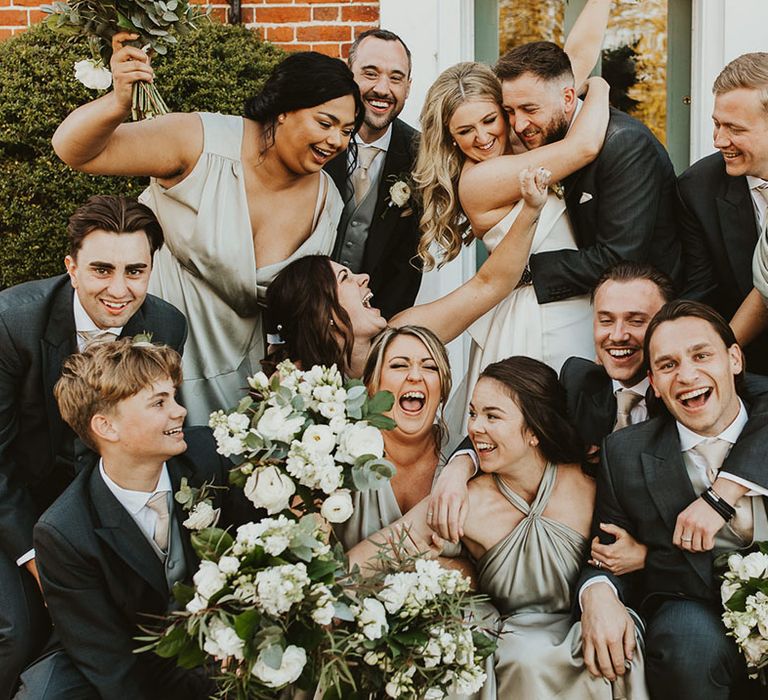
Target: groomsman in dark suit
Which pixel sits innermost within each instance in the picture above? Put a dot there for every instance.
(621, 205)
(724, 205)
(616, 392)
(689, 485)
(113, 545)
(103, 296)
(379, 227)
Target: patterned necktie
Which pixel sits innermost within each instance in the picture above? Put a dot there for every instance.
(159, 503)
(714, 451)
(360, 180)
(96, 337)
(625, 402)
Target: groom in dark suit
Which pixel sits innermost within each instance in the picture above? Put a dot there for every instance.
(662, 481)
(112, 240)
(724, 203)
(621, 205)
(113, 545)
(379, 227)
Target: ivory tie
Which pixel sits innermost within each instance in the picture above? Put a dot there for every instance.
(625, 402)
(762, 191)
(159, 503)
(96, 337)
(360, 180)
(714, 451)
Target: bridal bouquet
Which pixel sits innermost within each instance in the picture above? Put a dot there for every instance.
(744, 594)
(306, 439)
(157, 22)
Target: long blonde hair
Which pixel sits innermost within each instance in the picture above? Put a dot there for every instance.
(439, 161)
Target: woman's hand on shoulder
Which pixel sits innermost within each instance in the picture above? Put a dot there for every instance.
(129, 65)
(625, 555)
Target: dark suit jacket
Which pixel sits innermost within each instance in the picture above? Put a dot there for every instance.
(643, 486)
(37, 332)
(101, 577)
(394, 233)
(719, 234)
(629, 217)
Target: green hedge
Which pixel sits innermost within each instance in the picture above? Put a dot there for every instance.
(215, 69)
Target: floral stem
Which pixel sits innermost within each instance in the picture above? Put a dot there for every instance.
(146, 102)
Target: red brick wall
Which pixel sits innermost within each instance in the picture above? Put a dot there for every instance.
(296, 25)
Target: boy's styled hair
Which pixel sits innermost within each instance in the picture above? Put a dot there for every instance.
(97, 379)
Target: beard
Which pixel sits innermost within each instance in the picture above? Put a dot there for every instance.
(556, 129)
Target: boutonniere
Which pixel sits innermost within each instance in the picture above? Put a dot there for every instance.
(399, 193)
(558, 189)
(199, 504)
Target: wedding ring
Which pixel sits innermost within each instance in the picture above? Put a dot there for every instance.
(599, 564)
(429, 513)
(686, 539)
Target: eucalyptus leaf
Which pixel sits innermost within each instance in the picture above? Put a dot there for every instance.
(272, 656)
(211, 543)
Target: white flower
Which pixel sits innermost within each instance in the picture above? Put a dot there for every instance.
(268, 488)
(316, 471)
(372, 619)
(337, 508)
(197, 604)
(273, 534)
(238, 423)
(324, 610)
(259, 381)
(337, 424)
(728, 589)
(279, 587)
(228, 565)
(277, 425)
(467, 681)
(221, 641)
(752, 566)
(401, 683)
(201, 516)
(93, 74)
(359, 439)
(400, 193)
(291, 666)
(319, 439)
(332, 410)
(755, 648)
(208, 579)
(434, 694)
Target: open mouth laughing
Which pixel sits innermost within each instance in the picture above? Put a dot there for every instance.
(379, 104)
(412, 401)
(484, 447)
(622, 353)
(323, 154)
(114, 307)
(366, 300)
(695, 398)
(173, 432)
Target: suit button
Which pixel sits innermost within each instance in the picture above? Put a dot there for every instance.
(171, 564)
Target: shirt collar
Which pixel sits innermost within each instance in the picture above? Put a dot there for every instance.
(134, 501)
(83, 322)
(689, 439)
(641, 388)
(755, 182)
(579, 105)
(382, 143)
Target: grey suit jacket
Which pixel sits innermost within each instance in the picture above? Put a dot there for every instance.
(37, 332)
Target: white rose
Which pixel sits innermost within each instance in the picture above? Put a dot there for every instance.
(752, 566)
(337, 508)
(238, 422)
(221, 641)
(276, 425)
(755, 648)
(332, 410)
(93, 74)
(337, 424)
(400, 193)
(291, 666)
(203, 515)
(268, 488)
(259, 381)
(319, 439)
(228, 565)
(728, 589)
(208, 579)
(359, 439)
(372, 619)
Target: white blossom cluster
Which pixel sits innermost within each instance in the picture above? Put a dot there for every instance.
(409, 593)
(272, 534)
(278, 588)
(748, 627)
(222, 641)
(291, 665)
(230, 431)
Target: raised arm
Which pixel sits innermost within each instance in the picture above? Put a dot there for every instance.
(452, 314)
(585, 40)
(95, 139)
(489, 189)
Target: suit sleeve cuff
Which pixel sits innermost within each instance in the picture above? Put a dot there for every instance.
(592, 582)
(471, 454)
(24, 558)
(754, 489)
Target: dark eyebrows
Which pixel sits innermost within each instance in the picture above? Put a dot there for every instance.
(334, 119)
(97, 263)
(394, 71)
(137, 266)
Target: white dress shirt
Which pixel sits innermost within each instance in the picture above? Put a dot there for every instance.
(639, 412)
(83, 322)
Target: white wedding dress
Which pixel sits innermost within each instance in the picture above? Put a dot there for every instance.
(519, 325)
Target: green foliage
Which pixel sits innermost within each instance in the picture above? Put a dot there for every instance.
(213, 69)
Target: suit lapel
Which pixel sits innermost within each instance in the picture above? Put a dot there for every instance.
(58, 343)
(121, 533)
(136, 324)
(671, 490)
(737, 223)
(177, 470)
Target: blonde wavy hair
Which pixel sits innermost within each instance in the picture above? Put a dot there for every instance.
(439, 161)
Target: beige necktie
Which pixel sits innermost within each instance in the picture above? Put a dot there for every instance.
(762, 191)
(360, 180)
(159, 503)
(625, 402)
(96, 337)
(714, 451)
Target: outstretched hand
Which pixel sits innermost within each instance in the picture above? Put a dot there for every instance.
(534, 184)
(129, 65)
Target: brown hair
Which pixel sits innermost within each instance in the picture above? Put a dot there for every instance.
(97, 379)
(748, 71)
(384, 35)
(375, 362)
(114, 214)
(534, 387)
(303, 309)
(682, 308)
(543, 59)
(629, 271)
